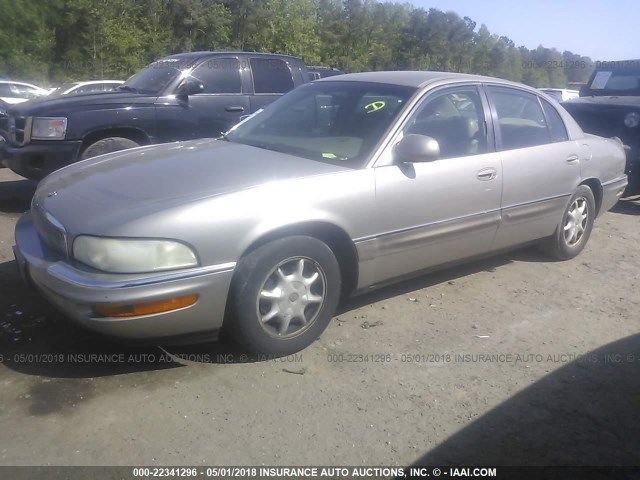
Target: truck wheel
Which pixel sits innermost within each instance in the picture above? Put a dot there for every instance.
(283, 295)
(107, 145)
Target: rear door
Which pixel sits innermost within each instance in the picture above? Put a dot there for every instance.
(541, 166)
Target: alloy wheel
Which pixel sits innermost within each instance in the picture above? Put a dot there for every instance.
(576, 221)
(291, 297)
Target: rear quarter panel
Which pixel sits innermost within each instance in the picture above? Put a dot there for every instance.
(604, 159)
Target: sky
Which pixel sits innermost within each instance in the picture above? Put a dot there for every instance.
(600, 29)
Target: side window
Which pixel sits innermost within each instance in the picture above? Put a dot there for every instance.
(271, 75)
(24, 91)
(85, 89)
(5, 91)
(520, 118)
(219, 75)
(455, 119)
(556, 124)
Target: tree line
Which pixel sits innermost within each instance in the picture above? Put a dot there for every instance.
(54, 41)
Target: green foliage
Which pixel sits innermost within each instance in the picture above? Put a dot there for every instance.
(61, 40)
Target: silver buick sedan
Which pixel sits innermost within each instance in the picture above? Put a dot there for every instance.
(341, 185)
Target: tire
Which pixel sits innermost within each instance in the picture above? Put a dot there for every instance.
(571, 236)
(270, 297)
(107, 145)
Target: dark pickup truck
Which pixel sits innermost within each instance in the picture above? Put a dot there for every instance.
(180, 97)
(609, 106)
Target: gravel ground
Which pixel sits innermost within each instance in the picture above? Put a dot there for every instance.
(513, 360)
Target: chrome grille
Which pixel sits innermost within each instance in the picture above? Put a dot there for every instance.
(49, 229)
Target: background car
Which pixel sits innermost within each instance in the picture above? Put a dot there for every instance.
(609, 105)
(561, 94)
(94, 86)
(17, 92)
(341, 185)
(180, 97)
(317, 72)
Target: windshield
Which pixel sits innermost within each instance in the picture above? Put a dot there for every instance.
(332, 122)
(156, 77)
(616, 82)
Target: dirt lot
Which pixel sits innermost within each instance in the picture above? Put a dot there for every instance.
(512, 360)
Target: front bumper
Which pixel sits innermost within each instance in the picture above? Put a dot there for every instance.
(75, 292)
(38, 159)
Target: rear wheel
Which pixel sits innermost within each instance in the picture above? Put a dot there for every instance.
(574, 230)
(107, 145)
(284, 294)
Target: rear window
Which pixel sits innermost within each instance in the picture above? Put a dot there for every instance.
(623, 80)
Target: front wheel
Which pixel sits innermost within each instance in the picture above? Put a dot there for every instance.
(283, 295)
(574, 229)
(107, 145)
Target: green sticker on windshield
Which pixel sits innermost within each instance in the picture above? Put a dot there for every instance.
(329, 155)
(375, 106)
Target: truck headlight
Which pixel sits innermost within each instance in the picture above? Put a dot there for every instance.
(129, 255)
(48, 128)
(632, 119)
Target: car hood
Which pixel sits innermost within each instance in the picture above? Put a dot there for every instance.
(630, 101)
(145, 180)
(60, 105)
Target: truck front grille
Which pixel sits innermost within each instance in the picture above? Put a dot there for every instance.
(17, 128)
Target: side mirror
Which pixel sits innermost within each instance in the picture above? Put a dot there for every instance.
(416, 148)
(190, 86)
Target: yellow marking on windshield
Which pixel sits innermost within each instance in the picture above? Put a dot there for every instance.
(375, 106)
(329, 155)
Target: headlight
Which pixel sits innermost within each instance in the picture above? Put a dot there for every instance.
(123, 255)
(632, 119)
(48, 128)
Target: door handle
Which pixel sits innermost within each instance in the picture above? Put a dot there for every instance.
(234, 109)
(487, 174)
(571, 159)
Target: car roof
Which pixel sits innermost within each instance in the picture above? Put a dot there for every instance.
(318, 67)
(20, 83)
(413, 79)
(197, 55)
(91, 82)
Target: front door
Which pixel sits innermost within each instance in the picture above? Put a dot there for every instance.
(271, 78)
(444, 210)
(221, 104)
